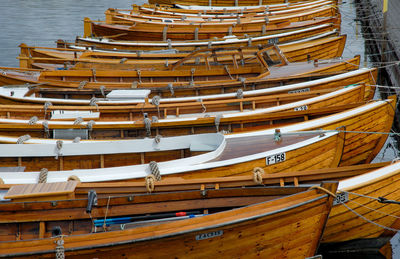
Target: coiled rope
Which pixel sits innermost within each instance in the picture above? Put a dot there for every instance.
(43, 175)
(155, 170)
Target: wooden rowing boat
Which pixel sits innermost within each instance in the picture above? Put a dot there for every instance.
(114, 16)
(201, 236)
(59, 58)
(120, 113)
(216, 12)
(65, 96)
(38, 95)
(361, 145)
(224, 3)
(363, 209)
(180, 73)
(190, 45)
(156, 31)
(214, 153)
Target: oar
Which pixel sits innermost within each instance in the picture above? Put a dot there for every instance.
(122, 220)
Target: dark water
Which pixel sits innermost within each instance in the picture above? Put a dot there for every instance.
(42, 22)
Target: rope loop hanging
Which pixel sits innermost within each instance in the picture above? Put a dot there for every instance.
(171, 89)
(59, 145)
(150, 180)
(46, 106)
(23, 138)
(90, 125)
(103, 91)
(93, 102)
(147, 126)
(217, 121)
(45, 125)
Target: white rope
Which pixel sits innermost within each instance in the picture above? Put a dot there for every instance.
(78, 121)
(45, 125)
(369, 221)
(33, 120)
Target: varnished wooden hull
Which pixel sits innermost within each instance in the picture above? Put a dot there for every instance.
(223, 2)
(155, 32)
(120, 113)
(33, 57)
(344, 224)
(63, 95)
(359, 145)
(192, 45)
(250, 230)
(112, 79)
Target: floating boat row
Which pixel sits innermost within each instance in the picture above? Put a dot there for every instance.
(149, 137)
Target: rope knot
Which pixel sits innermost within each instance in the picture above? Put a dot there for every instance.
(23, 138)
(82, 84)
(156, 100)
(150, 180)
(59, 145)
(239, 93)
(78, 121)
(33, 120)
(257, 175)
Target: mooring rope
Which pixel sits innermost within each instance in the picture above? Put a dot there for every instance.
(369, 221)
(43, 175)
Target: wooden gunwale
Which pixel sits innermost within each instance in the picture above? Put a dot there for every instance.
(153, 31)
(230, 3)
(258, 104)
(352, 120)
(378, 183)
(179, 12)
(65, 96)
(113, 17)
(229, 158)
(324, 48)
(276, 208)
(47, 78)
(84, 43)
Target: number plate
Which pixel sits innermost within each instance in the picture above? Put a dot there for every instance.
(273, 41)
(301, 108)
(341, 198)
(209, 235)
(299, 91)
(270, 160)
